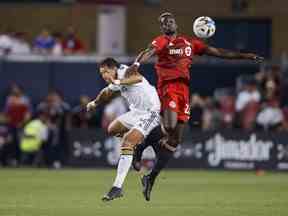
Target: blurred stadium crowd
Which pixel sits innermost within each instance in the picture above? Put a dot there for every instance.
(36, 133)
(258, 102)
(46, 42)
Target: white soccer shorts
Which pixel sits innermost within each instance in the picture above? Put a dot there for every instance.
(144, 121)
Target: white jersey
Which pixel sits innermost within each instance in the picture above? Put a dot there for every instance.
(140, 96)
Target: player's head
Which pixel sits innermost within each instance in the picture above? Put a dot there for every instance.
(168, 25)
(108, 69)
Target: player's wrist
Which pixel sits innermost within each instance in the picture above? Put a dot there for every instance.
(136, 63)
(117, 82)
(95, 103)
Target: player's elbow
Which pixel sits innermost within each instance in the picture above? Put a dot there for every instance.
(139, 78)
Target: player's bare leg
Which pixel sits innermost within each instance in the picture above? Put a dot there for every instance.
(130, 140)
(116, 128)
(174, 132)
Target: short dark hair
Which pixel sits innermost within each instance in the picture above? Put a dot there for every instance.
(109, 62)
(164, 15)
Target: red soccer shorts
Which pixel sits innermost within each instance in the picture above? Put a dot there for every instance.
(174, 95)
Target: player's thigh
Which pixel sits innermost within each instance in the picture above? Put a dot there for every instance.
(132, 138)
(117, 128)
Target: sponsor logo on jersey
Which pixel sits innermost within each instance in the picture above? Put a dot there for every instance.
(172, 104)
(187, 51)
(175, 52)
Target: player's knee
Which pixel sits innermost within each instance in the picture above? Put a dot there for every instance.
(170, 129)
(174, 141)
(112, 131)
(127, 146)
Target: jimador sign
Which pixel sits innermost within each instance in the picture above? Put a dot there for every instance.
(227, 149)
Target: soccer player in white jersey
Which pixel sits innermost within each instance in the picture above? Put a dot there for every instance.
(133, 126)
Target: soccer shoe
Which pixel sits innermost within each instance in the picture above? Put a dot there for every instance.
(147, 183)
(114, 193)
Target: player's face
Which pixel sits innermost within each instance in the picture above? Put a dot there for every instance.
(168, 26)
(108, 74)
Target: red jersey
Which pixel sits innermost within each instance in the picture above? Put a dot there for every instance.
(175, 56)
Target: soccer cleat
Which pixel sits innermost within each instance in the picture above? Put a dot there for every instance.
(147, 183)
(114, 193)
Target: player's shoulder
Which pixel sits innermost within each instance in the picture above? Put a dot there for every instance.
(159, 38)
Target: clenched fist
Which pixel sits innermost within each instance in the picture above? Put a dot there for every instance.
(91, 106)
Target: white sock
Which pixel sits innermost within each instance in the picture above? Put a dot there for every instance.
(124, 164)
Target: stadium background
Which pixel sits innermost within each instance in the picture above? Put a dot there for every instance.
(239, 109)
(121, 29)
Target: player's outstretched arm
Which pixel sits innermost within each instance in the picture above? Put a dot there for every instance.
(104, 96)
(131, 79)
(228, 54)
(145, 55)
(142, 57)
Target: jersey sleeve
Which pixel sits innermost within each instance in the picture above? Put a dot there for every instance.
(198, 47)
(114, 87)
(121, 71)
(159, 43)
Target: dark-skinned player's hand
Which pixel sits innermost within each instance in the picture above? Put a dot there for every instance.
(255, 57)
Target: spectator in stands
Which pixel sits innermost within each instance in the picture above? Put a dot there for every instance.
(71, 43)
(212, 116)
(35, 134)
(44, 42)
(270, 82)
(57, 49)
(80, 118)
(20, 46)
(225, 102)
(285, 121)
(112, 110)
(5, 141)
(58, 112)
(247, 104)
(18, 112)
(196, 111)
(5, 42)
(17, 107)
(271, 116)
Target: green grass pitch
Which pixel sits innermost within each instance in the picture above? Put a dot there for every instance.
(177, 193)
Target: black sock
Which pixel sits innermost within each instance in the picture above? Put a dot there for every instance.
(152, 140)
(163, 159)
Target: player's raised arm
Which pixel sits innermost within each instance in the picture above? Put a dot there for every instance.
(131, 79)
(142, 57)
(104, 96)
(228, 54)
(146, 54)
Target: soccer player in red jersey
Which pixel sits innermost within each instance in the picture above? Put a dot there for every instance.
(175, 54)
